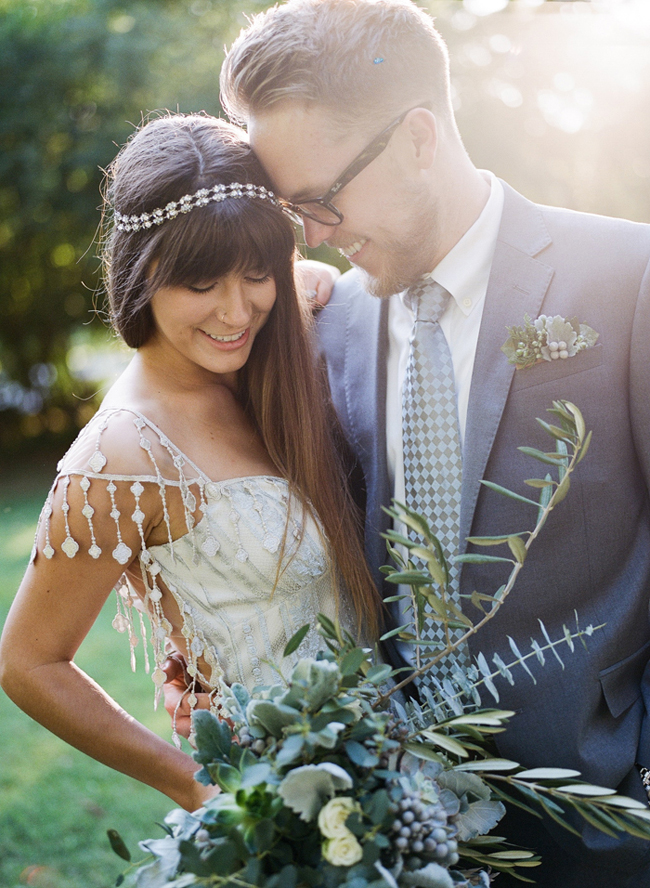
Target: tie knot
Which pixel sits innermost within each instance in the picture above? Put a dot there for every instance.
(427, 300)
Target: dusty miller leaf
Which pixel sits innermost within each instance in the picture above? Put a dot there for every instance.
(431, 876)
(464, 782)
(213, 738)
(305, 789)
(271, 716)
(479, 818)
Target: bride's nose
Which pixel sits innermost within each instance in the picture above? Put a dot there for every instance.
(234, 308)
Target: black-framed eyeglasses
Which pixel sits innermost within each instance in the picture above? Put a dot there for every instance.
(321, 209)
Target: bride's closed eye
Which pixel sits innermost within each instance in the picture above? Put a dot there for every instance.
(201, 288)
(253, 277)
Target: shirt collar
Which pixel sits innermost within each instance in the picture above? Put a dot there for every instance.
(465, 270)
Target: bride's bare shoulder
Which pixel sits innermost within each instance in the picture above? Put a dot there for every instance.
(121, 439)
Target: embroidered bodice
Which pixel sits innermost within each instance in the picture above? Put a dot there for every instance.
(211, 578)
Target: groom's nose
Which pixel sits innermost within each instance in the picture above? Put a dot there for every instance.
(315, 233)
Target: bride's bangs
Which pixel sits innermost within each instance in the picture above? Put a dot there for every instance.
(233, 236)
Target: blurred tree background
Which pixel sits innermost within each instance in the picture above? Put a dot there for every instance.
(553, 96)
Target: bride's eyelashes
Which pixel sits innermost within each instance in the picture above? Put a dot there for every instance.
(251, 278)
(197, 289)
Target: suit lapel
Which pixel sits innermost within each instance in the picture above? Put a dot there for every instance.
(366, 354)
(517, 286)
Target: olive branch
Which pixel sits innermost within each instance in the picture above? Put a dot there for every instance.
(429, 598)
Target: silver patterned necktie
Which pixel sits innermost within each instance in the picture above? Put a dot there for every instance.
(431, 445)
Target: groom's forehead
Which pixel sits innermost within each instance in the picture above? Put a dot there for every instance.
(301, 148)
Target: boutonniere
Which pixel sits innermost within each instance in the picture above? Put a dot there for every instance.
(546, 339)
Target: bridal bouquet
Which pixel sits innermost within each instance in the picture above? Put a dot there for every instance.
(332, 780)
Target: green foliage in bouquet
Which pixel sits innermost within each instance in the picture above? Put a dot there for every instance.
(332, 780)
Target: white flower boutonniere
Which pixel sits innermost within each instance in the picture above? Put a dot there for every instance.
(546, 339)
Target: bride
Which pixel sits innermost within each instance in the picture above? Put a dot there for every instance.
(209, 479)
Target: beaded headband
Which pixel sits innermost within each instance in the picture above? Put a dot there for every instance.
(199, 199)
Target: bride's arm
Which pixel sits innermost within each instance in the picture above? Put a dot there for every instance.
(56, 605)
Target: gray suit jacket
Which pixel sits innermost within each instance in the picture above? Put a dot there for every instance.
(593, 556)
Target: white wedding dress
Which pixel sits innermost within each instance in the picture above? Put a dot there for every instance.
(237, 611)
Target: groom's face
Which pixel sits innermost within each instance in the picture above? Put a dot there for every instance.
(387, 222)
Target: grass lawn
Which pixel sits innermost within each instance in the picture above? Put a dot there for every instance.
(55, 803)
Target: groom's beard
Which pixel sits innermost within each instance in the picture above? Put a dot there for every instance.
(411, 255)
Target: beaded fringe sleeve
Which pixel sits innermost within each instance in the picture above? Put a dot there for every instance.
(103, 488)
(210, 564)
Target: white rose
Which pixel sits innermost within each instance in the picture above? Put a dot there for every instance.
(332, 817)
(343, 851)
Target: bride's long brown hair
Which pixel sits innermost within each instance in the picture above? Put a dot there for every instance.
(281, 386)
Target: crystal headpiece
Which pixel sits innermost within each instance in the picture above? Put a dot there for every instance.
(199, 199)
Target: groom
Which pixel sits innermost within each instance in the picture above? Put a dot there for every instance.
(347, 104)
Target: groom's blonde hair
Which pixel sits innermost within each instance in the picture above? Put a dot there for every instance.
(366, 61)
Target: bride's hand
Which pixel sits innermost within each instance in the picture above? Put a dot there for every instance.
(175, 693)
(316, 279)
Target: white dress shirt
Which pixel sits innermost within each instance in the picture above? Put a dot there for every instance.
(464, 273)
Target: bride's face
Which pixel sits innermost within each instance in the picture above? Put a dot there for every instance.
(210, 328)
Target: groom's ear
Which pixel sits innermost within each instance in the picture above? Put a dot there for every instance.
(420, 138)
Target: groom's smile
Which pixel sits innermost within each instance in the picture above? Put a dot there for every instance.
(351, 251)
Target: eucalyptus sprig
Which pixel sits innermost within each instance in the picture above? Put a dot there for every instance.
(457, 708)
(430, 598)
